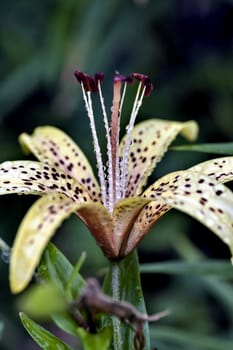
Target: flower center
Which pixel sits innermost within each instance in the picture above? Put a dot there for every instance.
(113, 180)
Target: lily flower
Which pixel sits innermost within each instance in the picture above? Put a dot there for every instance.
(118, 211)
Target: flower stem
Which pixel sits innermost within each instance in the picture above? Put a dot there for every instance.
(116, 323)
(122, 283)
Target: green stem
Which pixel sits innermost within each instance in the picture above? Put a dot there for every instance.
(123, 283)
(116, 323)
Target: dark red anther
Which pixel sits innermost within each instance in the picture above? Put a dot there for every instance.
(92, 84)
(87, 81)
(79, 75)
(149, 86)
(99, 77)
(139, 76)
(146, 82)
(122, 78)
(129, 79)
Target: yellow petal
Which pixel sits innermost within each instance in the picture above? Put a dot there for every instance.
(198, 195)
(30, 177)
(52, 145)
(150, 140)
(220, 169)
(148, 216)
(124, 216)
(36, 229)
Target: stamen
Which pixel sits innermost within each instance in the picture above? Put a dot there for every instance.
(99, 79)
(113, 187)
(145, 81)
(87, 85)
(127, 80)
(146, 85)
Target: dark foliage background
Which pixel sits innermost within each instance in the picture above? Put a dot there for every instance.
(186, 47)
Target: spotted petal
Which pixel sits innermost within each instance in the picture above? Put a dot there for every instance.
(220, 169)
(30, 177)
(37, 227)
(150, 140)
(194, 193)
(53, 146)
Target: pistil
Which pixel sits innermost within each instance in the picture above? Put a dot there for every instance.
(115, 130)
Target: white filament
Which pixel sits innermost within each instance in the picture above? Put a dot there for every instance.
(110, 202)
(100, 167)
(125, 156)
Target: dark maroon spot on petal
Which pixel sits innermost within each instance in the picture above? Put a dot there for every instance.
(27, 183)
(218, 193)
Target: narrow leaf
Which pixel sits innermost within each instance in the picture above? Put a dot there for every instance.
(55, 267)
(1, 329)
(42, 337)
(217, 148)
(190, 339)
(220, 269)
(21, 83)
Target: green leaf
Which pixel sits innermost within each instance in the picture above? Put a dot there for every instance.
(42, 337)
(1, 329)
(35, 301)
(220, 269)
(65, 322)
(58, 37)
(101, 340)
(129, 290)
(21, 83)
(217, 148)
(190, 339)
(223, 291)
(55, 267)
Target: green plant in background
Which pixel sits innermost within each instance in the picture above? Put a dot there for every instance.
(118, 213)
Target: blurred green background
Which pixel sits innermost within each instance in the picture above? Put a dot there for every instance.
(186, 47)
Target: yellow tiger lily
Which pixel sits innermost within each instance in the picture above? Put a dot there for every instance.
(118, 210)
